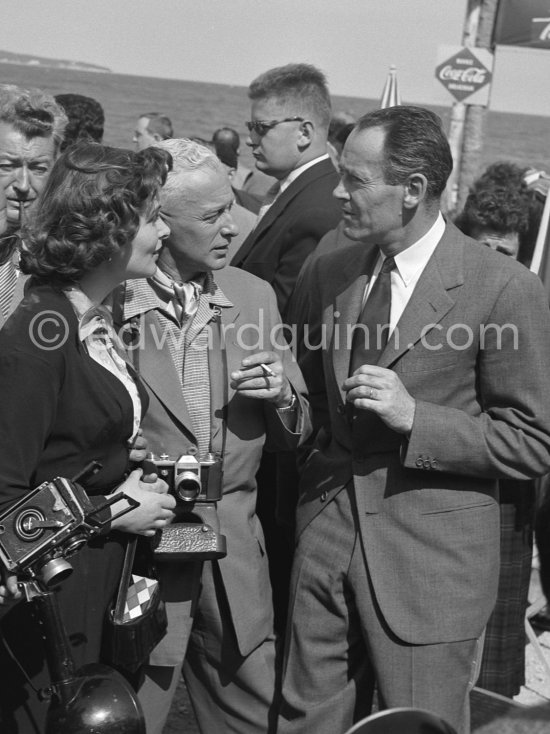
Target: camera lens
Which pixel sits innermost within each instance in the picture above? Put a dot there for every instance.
(188, 486)
(73, 545)
(55, 571)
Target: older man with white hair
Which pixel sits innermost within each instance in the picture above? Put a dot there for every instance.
(221, 387)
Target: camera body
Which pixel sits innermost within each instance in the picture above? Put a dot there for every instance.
(189, 479)
(47, 526)
(197, 486)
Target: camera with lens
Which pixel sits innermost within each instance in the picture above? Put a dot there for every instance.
(50, 524)
(196, 484)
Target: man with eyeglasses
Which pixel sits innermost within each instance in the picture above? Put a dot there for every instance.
(288, 132)
(32, 126)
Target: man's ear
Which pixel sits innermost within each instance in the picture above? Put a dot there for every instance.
(157, 138)
(307, 131)
(415, 190)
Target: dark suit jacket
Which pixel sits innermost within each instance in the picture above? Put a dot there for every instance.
(276, 249)
(250, 424)
(428, 509)
(60, 410)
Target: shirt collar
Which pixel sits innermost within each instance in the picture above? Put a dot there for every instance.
(141, 296)
(293, 175)
(415, 258)
(86, 312)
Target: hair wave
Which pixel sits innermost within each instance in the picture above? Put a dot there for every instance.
(90, 206)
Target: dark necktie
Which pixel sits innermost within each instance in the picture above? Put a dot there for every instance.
(371, 335)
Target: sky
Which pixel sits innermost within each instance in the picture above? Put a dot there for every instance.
(232, 41)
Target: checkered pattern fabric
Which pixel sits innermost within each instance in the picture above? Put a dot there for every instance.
(8, 281)
(188, 346)
(140, 594)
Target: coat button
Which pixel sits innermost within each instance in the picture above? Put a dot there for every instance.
(434, 464)
(419, 462)
(427, 464)
(324, 496)
(341, 409)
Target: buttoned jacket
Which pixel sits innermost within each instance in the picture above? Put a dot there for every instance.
(472, 348)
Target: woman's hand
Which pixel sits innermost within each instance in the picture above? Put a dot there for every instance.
(9, 591)
(155, 506)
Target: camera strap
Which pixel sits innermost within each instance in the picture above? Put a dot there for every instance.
(219, 418)
(125, 579)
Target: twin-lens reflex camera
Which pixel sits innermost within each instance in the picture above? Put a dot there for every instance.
(50, 524)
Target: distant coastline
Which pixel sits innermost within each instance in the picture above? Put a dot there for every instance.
(8, 57)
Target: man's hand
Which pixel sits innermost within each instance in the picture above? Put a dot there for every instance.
(262, 376)
(381, 391)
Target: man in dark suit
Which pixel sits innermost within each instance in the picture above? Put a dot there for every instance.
(396, 566)
(217, 386)
(290, 115)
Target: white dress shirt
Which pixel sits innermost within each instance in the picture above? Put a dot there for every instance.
(409, 266)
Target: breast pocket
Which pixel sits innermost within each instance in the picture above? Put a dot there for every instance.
(428, 361)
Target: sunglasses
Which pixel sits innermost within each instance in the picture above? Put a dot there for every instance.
(261, 127)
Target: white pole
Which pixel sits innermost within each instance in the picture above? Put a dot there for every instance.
(541, 237)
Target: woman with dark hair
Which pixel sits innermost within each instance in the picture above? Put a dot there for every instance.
(69, 398)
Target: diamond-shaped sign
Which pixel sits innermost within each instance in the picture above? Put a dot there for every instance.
(463, 74)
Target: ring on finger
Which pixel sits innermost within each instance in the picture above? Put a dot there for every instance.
(372, 393)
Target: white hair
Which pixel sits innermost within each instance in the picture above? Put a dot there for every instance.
(187, 156)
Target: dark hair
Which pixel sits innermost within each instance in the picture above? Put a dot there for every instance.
(414, 143)
(159, 124)
(32, 113)
(501, 200)
(90, 206)
(227, 136)
(503, 208)
(302, 85)
(226, 153)
(340, 121)
(86, 119)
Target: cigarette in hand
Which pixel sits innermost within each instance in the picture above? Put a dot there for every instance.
(268, 372)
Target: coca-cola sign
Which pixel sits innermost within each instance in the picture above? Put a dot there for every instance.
(463, 74)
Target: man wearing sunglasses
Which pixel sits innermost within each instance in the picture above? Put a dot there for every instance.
(288, 131)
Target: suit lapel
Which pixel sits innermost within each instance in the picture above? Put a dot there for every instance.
(348, 304)
(156, 368)
(431, 299)
(279, 205)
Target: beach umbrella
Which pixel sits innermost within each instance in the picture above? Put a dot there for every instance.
(390, 95)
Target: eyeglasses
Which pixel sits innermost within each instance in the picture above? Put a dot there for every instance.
(261, 127)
